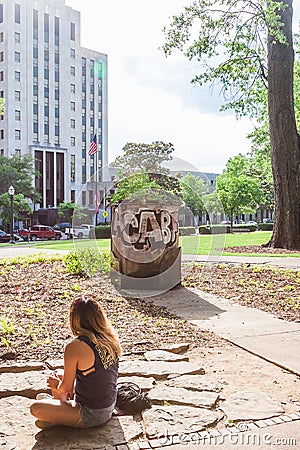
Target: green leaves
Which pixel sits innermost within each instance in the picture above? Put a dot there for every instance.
(229, 38)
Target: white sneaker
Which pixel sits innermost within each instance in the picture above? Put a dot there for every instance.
(43, 396)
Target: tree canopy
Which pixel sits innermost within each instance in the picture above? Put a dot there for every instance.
(144, 157)
(17, 171)
(193, 189)
(246, 47)
(238, 191)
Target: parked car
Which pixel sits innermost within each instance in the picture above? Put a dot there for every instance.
(4, 237)
(252, 222)
(267, 220)
(40, 232)
(225, 222)
(82, 231)
(62, 226)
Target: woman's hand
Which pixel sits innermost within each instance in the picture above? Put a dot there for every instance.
(53, 381)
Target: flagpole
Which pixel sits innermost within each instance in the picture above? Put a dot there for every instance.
(96, 184)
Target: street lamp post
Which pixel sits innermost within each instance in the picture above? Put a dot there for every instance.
(11, 192)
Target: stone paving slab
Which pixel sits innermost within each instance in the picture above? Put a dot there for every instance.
(27, 384)
(161, 421)
(18, 427)
(157, 369)
(193, 383)
(162, 355)
(183, 396)
(145, 383)
(250, 405)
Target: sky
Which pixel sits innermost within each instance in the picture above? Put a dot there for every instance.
(150, 97)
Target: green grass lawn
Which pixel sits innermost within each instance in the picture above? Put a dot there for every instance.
(191, 245)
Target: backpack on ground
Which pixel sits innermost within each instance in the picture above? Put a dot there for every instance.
(131, 399)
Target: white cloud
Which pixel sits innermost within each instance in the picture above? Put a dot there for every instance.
(150, 96)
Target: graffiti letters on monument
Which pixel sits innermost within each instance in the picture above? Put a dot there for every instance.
(144, 234)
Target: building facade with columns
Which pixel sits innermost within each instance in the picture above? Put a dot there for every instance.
(55, 98)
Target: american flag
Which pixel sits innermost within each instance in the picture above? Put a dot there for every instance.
(93, 146)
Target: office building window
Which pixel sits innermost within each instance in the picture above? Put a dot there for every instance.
(1, 36)
(73, 88)
(2, 151)
(56, 140)
(73, 106)
(72, 141)
(72, 52)
(18, 135)
(17, 57)
(72, 173)
(2, 117)
(17, 114)
(91, 197)
(1, 94)
(1, 75)
(35, 127)
(46, 129)
(72, 70)
(1, 134)
(56, 131)
(56, 31)
(72, 196)
(72, 31)
(72, 123)
(18, 152)
(1, 56)
(46, 27)
(17, 37)
(17, 96)
(1, 12)
(17, 13)
(83, 198)
(17, 75)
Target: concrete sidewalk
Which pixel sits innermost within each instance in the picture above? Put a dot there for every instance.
(273, 261)
(258, 332)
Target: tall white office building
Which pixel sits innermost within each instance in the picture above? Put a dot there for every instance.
(56, 99)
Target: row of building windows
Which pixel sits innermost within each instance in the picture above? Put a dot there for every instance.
(17, 135)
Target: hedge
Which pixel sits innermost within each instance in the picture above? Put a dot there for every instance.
(222, 229)
(187, 231)
(265, 226)
(100, 232)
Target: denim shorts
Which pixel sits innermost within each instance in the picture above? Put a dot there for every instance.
(95, 417)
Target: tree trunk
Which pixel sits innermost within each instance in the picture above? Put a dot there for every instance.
(285, 141)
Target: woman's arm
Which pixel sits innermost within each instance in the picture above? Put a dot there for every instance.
(66, 384)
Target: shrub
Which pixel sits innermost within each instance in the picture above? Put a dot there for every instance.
(187, 231)
(265, 226)
(100, 232)
(222, 229)
(87, 262)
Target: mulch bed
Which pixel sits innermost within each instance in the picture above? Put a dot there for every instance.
(274, 290)
(260, 250)
(35, 300)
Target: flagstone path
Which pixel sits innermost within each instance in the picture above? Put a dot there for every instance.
(185, 404)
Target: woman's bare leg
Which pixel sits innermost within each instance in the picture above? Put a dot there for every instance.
(57, 412)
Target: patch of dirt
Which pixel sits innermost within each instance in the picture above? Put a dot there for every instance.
(274, 290)
(34, 306)
(260, 250)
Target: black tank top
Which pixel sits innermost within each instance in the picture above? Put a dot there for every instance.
(98, 388)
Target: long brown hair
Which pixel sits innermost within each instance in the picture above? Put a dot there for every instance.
(88, 318)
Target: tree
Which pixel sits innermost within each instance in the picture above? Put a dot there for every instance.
(144, 157)
(148, 158)
(238, 191)
(69, 210)
(17, 171)
(193, 190)
(212, 205)
(250, 45)
(134, 183)
(21, 207)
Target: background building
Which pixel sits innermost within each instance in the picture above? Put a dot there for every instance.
(56, 99)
